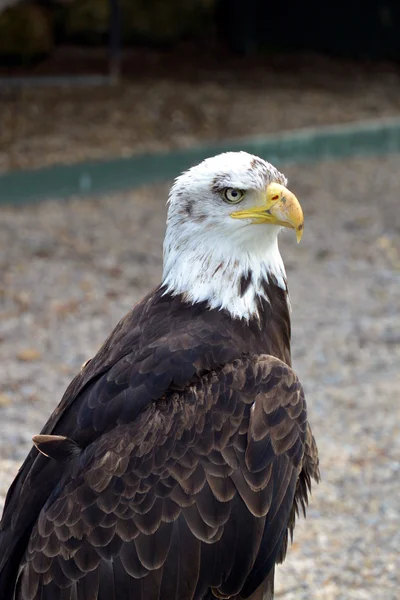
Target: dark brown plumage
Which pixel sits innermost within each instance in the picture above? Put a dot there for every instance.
(173, 486)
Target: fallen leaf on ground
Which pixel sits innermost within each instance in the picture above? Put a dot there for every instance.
(4, 400)
(28, 355)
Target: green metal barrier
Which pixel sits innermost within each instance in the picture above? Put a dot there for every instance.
(364, 138)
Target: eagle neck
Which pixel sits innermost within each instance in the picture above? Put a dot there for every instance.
(236, 281)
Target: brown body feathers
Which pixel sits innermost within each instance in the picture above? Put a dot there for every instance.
(181, 454)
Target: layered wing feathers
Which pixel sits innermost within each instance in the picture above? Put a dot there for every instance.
(196, 493)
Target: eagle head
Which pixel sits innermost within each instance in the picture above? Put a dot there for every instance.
(224, 216)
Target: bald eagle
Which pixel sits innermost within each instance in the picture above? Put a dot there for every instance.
(178, 458)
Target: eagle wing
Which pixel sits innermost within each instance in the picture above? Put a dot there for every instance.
(195, 493)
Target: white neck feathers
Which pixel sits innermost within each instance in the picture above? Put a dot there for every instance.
(212, 272)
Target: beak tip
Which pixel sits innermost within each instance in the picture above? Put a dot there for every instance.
(299, 232)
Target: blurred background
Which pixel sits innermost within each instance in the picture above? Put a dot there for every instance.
(95, 80)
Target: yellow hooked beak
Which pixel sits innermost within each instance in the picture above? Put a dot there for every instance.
(281, 208)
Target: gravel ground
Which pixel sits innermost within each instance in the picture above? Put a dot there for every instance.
(175, 101)
(70, 270)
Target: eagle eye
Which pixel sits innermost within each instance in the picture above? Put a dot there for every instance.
(232, 195)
